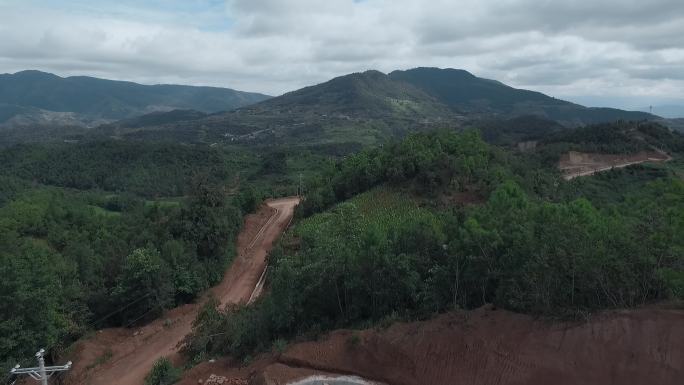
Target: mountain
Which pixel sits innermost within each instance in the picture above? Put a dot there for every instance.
(360, 108)
(349, 111)
(369, 94)
(28, 93)
(475, 96)
(370, 107)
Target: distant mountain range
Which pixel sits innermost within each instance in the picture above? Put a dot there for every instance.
(358, 109)
(34, 97)
(369, 107)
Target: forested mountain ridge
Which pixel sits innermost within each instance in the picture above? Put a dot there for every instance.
(94, 98)
(370, 107)
(370, 93)
(468, 93)
(362, 108)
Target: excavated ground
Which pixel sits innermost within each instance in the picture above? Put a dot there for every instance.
(485, 346)
(575, 164)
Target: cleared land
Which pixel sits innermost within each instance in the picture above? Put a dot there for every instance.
(484, 346)
(130, 353)
(575, 164)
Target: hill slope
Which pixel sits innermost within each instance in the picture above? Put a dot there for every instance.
(346, 112)
(364, 108)
(470, 94)
(370, 107)
(107, 99)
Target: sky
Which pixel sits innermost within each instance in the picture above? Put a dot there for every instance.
(618, 53)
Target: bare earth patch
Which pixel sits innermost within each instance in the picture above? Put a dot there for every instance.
(575, 164)
(484, 346)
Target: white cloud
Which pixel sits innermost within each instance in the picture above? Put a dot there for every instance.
(610, 50)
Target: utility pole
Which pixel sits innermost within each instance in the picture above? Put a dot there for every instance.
(42, 372)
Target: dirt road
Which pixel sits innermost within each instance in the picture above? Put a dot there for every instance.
(125, 356)
(576, 164)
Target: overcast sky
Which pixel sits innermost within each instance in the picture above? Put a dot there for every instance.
(624, 53)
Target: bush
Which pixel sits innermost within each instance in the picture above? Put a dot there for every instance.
(163, 373)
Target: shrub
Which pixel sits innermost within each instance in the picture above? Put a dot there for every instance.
(163, 373)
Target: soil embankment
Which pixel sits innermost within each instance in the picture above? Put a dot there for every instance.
(485, 346)
(125, 356)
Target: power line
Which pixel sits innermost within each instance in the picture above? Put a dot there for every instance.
(143, 315)
(120, 309)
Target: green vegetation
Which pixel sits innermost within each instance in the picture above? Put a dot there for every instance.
(390, 246)
(615, 138)
(147, 169)
(468, 93)
(163, 373)
(110, 99)
(436, 221)
(73, 260)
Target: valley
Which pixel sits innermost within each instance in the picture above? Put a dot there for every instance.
(440, 234)
(341, 192)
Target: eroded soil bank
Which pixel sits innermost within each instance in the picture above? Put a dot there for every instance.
(485, 346)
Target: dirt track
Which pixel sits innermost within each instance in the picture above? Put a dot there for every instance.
(576, 164)
(132, 352)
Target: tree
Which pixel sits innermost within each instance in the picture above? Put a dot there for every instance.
(146, 279)
(163, 373)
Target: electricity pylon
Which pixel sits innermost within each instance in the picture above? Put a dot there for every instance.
(42, 372)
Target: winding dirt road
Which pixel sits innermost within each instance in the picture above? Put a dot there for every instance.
(125, 356)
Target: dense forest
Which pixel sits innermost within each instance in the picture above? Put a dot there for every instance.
(443, 221)
(110, 234)
(145, 169)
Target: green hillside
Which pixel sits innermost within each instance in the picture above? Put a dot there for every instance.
(369, 108)
(443, 221)
(358, 109)
(108, 99)
(468, 93)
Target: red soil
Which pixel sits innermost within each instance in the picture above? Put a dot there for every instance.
(486, 346)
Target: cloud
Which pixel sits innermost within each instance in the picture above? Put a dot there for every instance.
(608, 50)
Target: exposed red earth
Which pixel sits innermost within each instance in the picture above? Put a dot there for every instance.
(575, 164)
(485, 346)
(125, 356)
